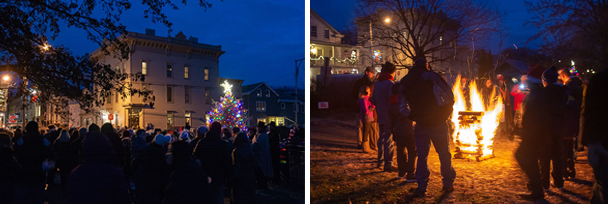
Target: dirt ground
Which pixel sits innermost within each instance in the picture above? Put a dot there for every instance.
(342, 174)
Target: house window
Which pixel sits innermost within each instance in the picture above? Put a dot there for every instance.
(109, 99)
(313, 31)
(280, 121)
(144, 68)
(187, 94)
(206, 74)
(283, 106)
(186, 74)
(169, 120)
(207, 96)
(116, 97)
(187, 115)
(169, 94)
(259, 92)
(169, 70)
(144, 87)
(260, 106)
(267, 93)
(327, 34)
(261, 120)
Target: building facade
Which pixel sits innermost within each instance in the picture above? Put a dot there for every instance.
(182, 73)
(266, 105)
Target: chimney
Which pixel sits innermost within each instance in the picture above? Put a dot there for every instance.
(193, 39)
(151, 32)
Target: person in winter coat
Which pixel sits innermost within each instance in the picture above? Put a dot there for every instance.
(214, 154)
(519, 92)
(489, 93)
(572, 122)
(595, 132)
(8, 167)
(243, 179)
(366, 116)
(366, 80)
(200, 134)
(404, 138)
(274, 139)
(94, 127)
(431, 102)
(188, 182)
(17, 135)
(108, 130)
(261, 148)
(152, 171)
(386, 104)
(31, 151)
(126, 144)
(558, 102)
(138, 143)
(536, 138)
(505, 94)
(98, 179)
(63, 157)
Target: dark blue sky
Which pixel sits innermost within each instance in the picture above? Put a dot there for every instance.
(261, 38)
(340, 13)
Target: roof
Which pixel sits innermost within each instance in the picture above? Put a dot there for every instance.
(313, 13)
(250, 88)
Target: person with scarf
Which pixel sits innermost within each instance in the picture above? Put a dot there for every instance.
(386, 107)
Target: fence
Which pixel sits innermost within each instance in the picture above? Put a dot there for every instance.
(292, 164)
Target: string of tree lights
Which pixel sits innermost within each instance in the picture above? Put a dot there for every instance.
(228, 111)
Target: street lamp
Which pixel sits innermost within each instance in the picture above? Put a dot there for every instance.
(6, 78)
(387, 20)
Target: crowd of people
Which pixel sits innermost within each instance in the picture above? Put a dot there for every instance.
(120, 165)
(553, 112)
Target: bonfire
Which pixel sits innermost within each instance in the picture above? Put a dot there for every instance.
(475, 127)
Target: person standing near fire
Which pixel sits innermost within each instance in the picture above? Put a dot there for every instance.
(386, 108)
(506, 101)
(431, 102)
(368, 80)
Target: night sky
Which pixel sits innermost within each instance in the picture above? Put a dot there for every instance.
(261, 38)
(340, 13)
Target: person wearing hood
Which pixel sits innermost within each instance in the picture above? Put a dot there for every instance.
(386, 104)
(108, 130)
(200, 134)
(261, 148)
(151, 170)
(430, 101)
(63, 157)
(94, 127)
(31, 151)
(243, 179)
(8, 167)
(557, 101)
(98, 179)
(536, 138)
(366, 80)
(188, 182)
(214, 155)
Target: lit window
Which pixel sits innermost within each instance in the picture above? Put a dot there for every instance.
(283, 106)
(206, 74)
(313, 31)
(259, 92)
(144, 87)
(280, 121)
(260, 106)
(169, 70)
(187, 115)
(116, 96)
(144, 68)
(262, 120)
(124, 67)
(169, 94)
(169, 120)
(186, 74)
(109, 99)
(187, 94)
(267, 93)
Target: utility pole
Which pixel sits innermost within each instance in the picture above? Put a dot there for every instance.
(296, 96)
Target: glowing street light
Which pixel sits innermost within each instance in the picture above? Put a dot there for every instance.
(387, 20)
(6, 78)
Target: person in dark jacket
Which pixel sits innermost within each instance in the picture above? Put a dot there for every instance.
(17, 135)
(8, 167)
(31, 151)
(274, 140)
(386, 108)
(557, 102)
(261, 148)
(108, 130)
(404, 138)
(51, 136)
(200, 134)
(63, 157)
(94, 127)
(98, 179)
(151, 172)
(431, 103)
(214, 154)
(572, 123)
(138, 143)
(536, 138)
(366, 80)
(188, 182)
(595, 132)
(243, 179)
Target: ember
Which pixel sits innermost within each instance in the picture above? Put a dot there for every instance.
(475, 126)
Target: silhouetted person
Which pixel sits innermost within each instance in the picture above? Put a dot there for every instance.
(8, 167)
(151, 175)
(214, 154)
(31, 151)
(261, 148)
(243, 179)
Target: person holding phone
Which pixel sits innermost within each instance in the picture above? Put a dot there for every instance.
(519, 92)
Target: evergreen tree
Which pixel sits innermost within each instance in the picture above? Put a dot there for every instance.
(228, 111)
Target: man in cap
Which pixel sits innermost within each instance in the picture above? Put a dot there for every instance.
(366, 80)
(430, 101)
(386, 107)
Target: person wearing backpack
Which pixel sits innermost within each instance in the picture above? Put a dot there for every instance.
(430, 101)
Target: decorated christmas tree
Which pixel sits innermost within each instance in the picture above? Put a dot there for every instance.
(228, 111)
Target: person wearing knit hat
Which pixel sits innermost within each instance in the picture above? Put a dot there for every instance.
(385, 101)
(557, 102)
(161, 139)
